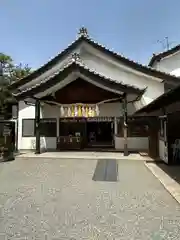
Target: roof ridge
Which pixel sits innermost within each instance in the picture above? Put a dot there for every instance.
(128, 59)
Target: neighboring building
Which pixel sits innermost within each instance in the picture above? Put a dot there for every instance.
(83, 97)
(168, 61)
(167, 109)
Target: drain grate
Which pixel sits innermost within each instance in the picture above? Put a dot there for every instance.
(106, 170)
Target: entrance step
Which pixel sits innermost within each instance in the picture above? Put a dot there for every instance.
(92, 155)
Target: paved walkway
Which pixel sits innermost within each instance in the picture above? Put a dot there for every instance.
(85, 155)
(58, 199)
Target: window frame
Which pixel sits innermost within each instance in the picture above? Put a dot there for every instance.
(25, 119)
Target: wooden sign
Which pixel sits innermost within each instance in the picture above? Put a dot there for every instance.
(7, 129)
(47, 120)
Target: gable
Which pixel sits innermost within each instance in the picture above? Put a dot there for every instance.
(85, 44)
(81, 91)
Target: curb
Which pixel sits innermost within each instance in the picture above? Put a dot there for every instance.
(168, 183)
(81, 158)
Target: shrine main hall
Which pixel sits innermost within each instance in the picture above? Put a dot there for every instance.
(86, 98)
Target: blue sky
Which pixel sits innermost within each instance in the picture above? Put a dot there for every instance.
(36, 30)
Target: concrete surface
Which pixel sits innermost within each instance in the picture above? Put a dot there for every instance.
(57, 199)
(167, 176)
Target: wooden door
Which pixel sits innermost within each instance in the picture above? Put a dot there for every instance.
(153, 138)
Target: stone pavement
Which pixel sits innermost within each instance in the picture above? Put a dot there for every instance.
(85, 155)
(56, 199)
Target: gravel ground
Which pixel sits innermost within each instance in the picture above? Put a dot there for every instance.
(64, 199)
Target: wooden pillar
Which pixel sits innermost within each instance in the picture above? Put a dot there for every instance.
(153, 137)
(37, 129)
(125, 125)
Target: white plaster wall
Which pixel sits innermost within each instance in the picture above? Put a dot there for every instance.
(134, 144)
(114, 109)
(154, 87)
(170, 64)
(25, 112)
(29, 143)
(163, 154)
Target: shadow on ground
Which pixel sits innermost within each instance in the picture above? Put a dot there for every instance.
(106, 170)
(172, 171)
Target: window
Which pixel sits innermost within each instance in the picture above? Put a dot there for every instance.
(137, 129)
(48, 127)
(28, 127)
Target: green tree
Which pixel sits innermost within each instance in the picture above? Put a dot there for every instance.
(9, 72)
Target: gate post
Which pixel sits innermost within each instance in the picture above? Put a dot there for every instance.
(37, 129)
(125, 125)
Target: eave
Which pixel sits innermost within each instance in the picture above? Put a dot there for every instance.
(82, 69)
(161, 102)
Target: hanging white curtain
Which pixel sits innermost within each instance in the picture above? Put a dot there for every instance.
(62, 111)
(69, 112)
(97, 110)
(76, 111)
(83, 111)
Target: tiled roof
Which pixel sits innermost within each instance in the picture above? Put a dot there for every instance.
(82, 67)
(130, 63)
(159, 56)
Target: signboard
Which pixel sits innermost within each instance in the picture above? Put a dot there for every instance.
(91, 119)
(5, 129)
(100, 119)
(7, 139)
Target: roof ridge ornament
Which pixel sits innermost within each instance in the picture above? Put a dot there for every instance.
(75, 57)
(83, 32)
